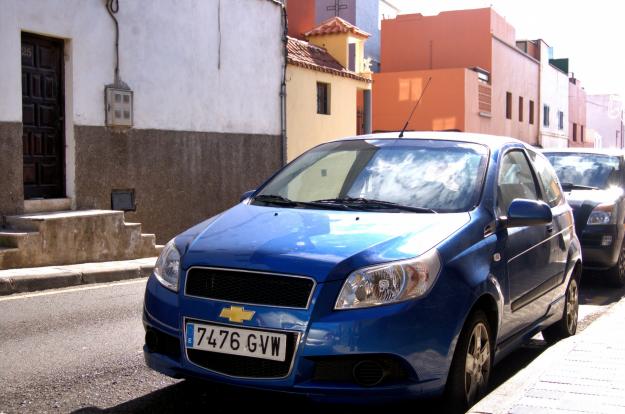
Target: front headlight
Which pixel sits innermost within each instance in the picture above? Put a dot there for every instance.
(389, 283)
(167, 268)
(602, 214)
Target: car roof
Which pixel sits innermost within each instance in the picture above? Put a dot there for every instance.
(492, 141)
(601, 151)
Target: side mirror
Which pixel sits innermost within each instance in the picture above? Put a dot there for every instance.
(524, 212)
(247, 195)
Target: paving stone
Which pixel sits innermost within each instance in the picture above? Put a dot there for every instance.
(581, 374)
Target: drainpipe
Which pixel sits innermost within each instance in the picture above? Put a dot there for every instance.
(285, 32)
(285, 22)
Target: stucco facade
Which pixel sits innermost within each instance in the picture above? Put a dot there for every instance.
(553, 108)
(305, 127)
(324, 96)
(604, 114)
(474, 64)
(578, 136)
(206, 80)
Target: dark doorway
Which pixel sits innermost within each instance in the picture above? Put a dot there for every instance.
(42, 117)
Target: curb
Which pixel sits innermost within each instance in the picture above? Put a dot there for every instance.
(14, 281)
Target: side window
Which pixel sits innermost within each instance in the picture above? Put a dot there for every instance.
(548, 178)
(515, 180)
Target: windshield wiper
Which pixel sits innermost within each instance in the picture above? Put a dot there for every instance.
(371, 203)
(571, 186)
(275, 199)
(283, 201)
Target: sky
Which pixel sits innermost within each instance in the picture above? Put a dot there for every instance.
(590, 33)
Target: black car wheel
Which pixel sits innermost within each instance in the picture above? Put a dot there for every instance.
(471, 366)
(616, 275)
(567, 326)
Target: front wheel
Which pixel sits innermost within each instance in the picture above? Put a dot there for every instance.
(567, 326)
(471, 366)
(616, 275)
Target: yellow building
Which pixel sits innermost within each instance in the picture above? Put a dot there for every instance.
(328, 86)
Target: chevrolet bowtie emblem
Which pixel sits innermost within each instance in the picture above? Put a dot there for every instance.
(236, 314)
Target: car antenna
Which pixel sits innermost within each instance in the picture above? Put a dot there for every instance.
(401, 134)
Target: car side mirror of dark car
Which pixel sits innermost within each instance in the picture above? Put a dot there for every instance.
(247, 195)
(524, 212)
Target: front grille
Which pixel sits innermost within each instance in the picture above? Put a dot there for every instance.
(246, 367)
(249, 287)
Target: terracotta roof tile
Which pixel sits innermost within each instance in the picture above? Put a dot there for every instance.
(313, 57)
(336, 25)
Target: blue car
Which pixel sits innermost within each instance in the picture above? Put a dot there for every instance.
(372, 268)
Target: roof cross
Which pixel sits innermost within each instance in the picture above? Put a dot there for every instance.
(338, 6)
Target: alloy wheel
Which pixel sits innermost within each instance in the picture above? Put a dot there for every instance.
(572, 306)
(477, 364)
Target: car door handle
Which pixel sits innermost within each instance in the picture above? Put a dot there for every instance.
(549, 228)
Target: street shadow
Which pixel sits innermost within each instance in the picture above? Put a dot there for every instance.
(192, 396)
(595, 290)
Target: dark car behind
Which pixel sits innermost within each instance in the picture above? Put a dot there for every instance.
(594, 183)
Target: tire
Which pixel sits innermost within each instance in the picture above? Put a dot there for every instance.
(567, 325)
(471, 365)
(616, 275)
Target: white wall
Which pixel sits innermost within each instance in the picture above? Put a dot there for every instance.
(168, 56)
(554, 92)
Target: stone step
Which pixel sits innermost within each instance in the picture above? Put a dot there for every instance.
(34, 222)
(50, 204)
(8, 250)
(69, 237)
(15, 239)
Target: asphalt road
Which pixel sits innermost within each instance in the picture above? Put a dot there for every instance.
(79, 350)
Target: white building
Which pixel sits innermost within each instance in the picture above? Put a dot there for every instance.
(205, 107)
(604, 115)
(554, 101)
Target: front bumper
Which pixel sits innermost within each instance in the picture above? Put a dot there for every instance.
(417, 336)
(601, 245)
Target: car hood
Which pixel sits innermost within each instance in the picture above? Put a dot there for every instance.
(311, 242)
(577, 198)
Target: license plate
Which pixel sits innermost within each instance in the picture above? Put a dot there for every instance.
(235, 341)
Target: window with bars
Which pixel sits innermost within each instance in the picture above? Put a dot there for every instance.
(323, 98)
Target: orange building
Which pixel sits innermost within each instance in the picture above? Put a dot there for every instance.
(480, 81)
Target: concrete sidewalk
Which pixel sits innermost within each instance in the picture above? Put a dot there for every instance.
(52, 277)
(582, 374)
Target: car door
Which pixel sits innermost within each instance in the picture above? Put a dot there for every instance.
(559, 232)
(525, 249)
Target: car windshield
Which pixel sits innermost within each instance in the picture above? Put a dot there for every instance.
(403, 175)
(585, 170)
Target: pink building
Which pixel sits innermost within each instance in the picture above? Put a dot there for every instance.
(578, 136)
